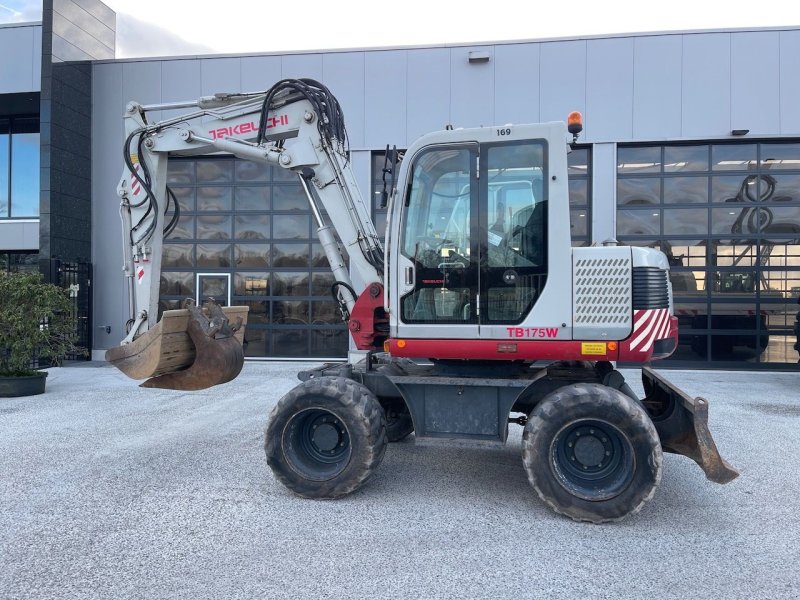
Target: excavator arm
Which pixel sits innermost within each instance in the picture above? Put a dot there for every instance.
(296, 125)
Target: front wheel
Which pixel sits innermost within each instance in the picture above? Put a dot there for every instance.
(592, 453)
(326, 437)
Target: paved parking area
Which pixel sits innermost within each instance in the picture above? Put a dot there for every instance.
(108, 490)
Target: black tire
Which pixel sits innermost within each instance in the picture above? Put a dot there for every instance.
(607, 475)
(399, 424)
(326, 437)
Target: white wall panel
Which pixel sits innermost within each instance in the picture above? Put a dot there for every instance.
(220, 75)
(141, 82)
(472, 88)
(385, 99)
(706, 85)
(790, 82)
(516, 83)
(428, 91)
(260, 72)
(180, 80)
(302, 66)
(562, 79)
(755, 83)
(609, 89)
(657, 87)
(110, 298)
(343, 73)
(36, 56)
(17, 53)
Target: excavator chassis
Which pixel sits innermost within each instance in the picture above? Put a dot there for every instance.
(188, 349)
(446, 405)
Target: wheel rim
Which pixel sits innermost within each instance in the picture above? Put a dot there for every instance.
(316, 444)
(592, 459)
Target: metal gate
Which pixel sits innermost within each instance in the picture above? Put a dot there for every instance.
(77, 278)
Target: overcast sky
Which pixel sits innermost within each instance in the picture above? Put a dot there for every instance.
(173, 27)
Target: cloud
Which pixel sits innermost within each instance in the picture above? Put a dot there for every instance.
(137, 38)
(20, 11)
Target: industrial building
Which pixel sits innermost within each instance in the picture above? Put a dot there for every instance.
(691, 144)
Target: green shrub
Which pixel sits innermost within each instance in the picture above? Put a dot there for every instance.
(35, 321)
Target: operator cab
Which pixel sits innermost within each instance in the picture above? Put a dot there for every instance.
(472, 231)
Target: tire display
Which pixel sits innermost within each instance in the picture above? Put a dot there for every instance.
(592, 453)
(326, 437)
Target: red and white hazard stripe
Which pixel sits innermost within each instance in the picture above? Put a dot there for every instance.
(648, 326)
(136, 186)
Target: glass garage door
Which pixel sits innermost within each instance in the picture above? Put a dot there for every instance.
(246, 230)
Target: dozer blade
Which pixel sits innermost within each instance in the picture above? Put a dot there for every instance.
(188, 349)
(682, 425)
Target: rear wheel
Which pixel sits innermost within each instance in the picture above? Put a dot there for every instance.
(326, 437)
(592, 453)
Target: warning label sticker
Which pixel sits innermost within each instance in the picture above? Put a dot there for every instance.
(594, 348)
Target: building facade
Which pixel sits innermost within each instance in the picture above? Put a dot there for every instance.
(691, 145)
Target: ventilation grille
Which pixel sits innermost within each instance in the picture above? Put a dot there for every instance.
(602, 291)
(650, 288)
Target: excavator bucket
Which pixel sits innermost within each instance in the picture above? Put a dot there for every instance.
(682, 425)
(188, 349)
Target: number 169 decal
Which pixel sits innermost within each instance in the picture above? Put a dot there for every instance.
(503, 131)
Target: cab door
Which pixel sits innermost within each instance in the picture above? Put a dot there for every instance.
(513, 232)
(438, 246)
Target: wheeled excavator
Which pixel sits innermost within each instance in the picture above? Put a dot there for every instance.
(476, 313)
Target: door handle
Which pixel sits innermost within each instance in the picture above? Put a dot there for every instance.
(409, 275)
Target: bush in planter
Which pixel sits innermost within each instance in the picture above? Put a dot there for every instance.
(35, 321)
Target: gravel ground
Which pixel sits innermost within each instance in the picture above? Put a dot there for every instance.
(108, 490)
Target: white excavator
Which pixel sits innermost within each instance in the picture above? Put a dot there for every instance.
(476, 314)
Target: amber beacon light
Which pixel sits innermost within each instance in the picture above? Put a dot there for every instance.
(575, 124)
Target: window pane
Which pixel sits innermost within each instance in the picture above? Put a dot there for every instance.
(685, 158)
(638, 191)
(787, 188)
(686, 221)
(252, 227)
(731, 188)
(578, 162)
(281, 175)
(780, 219)
(252, 255)
(25, 175)
(213, 255)
(247, 170)
(177, 255)
(180, 172)
(638, 222)
(738, 157)
(184, 230)
(255, 340)
(780, 156)
(291, 226)
(258, 314)
(253, 198)
(290, 255)
(734, 220)
(685, 190)
(251, 284)
(290, 312)
(185, 196)
(213, 227)
(290, 284)
(178, 283)
(639, 160)
(289, 342)
(329, 342)
(578, 222)
(4, 141)
(321, 284)
(214, 171)
(288, 197)
(578, 192)
(325, 312)
(213, 198)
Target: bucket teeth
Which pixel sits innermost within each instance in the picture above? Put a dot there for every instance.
(219, 356)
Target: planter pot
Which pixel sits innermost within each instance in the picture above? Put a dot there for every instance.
(29, 385)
